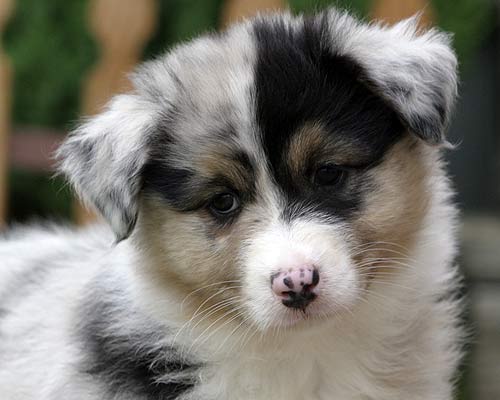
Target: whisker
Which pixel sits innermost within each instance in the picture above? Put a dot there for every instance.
(195, 341)
(382, 249)
(221, 346)
(218, 305)
(226, 304)
(212, 296)
(205, 287)
(378, 281)
(377, 242)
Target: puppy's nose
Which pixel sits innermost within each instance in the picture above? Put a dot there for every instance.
(296, 286)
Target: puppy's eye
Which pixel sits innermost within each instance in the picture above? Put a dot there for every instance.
(224, 203)
(329, 175)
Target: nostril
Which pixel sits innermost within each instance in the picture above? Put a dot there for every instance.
(288, 282)
(315, 277)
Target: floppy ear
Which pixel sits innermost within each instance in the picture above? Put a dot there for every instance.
(104, 156)
(415, 72)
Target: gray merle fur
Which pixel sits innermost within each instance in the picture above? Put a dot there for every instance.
(132, 361)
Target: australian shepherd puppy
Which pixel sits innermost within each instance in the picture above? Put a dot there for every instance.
(281, 227)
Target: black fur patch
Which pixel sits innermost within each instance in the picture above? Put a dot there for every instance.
(427, 128)
(171, 183)
(298, 81)
(131, 361)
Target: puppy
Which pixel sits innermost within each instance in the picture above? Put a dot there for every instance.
(281, 227)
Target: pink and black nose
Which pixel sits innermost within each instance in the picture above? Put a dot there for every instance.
(296, 286)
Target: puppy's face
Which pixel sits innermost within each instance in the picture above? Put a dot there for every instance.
(276, 170)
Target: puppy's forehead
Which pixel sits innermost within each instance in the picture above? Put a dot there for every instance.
(213, 103)
(258, 85)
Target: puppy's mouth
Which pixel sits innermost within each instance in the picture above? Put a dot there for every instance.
(301, 317)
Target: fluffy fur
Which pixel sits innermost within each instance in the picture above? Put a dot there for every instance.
(282, 142)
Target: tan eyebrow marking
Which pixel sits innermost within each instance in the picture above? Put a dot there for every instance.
(314, 143)
(308, 140)
(231, 164)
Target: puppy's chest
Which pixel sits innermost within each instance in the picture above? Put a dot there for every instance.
(301, 377)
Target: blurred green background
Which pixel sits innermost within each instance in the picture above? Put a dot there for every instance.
(52, 51)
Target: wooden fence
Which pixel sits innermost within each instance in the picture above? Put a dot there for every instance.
(121, 29)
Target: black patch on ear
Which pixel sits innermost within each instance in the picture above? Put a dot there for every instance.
(429, 128)
(299, 80)
(131, 361)
(426, 128)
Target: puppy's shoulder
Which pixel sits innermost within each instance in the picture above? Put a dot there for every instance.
(30, 252)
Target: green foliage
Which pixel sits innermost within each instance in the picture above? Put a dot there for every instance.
(470, 21)
(36, 196)
(51, 52)
(181, 20)
(359, 7)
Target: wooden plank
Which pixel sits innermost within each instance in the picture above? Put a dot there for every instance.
(480, 250)
(483, 364)
(6, 8)
(121, 28)
(392, 11)
(235, 10)
(31, 148)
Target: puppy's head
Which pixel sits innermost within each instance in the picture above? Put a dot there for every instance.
(268, 173)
